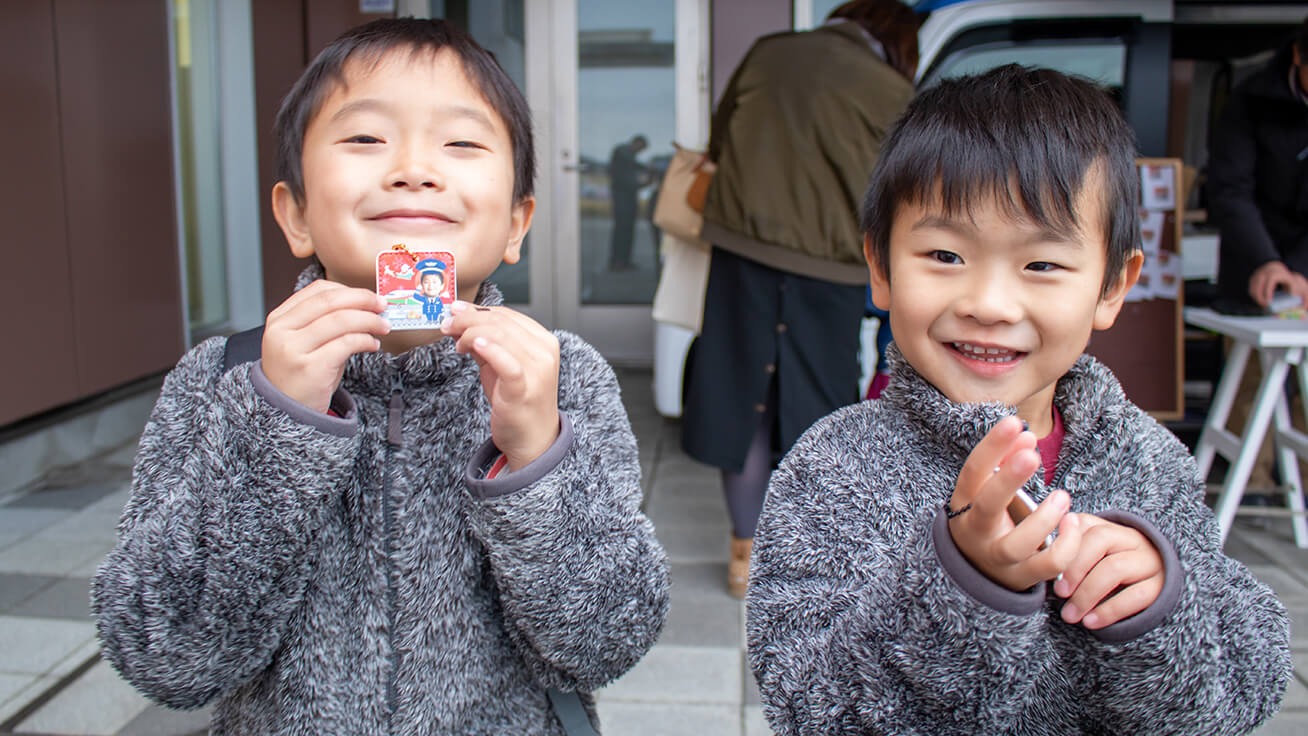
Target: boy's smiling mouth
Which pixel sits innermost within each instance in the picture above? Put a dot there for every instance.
(986, 359)
(406, 218)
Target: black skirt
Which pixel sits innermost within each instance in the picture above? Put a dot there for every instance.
(762, 325)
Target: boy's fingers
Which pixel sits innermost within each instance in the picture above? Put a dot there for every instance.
(1097, 542)
(327, 328)
(327, 301)
(988, 454)
(1125, 603)
(1025, 540)
(339, 350)
(505, 364)
(1112, 572)
(997, 491)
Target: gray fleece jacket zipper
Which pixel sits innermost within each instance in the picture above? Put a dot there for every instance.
(394, 441)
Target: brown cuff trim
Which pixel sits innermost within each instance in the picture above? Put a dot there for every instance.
(1146, 620)
(344, 425)
(510, 482)
(973, 582)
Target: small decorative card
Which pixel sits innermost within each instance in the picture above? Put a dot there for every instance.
(418, 287)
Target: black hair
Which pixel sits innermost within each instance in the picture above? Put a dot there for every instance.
(370, 42)
(1301, 37)
(1024, 138)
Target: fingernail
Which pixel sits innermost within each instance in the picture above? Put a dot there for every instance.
(1071, 613)
(1091, 620)
(480, 342)
(459, 306)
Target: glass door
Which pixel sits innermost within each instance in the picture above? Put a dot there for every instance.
(626, 78)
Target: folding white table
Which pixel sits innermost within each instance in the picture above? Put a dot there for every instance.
(1281, 343)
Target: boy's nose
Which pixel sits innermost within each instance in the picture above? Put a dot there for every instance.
(991, 300)
(414, 173)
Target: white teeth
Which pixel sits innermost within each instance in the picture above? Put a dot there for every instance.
(987, 354)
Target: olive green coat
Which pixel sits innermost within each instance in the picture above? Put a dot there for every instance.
(795, 136)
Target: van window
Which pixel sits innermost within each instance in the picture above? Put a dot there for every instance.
(1103, 60)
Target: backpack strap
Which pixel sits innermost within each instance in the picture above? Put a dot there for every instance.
(571, 713)
(243, 347)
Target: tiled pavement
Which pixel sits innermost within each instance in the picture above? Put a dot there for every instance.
(694, 681)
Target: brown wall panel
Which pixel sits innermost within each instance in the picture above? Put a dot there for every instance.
(39, 370)
(116, 128)
(735, 26)
(278, 27)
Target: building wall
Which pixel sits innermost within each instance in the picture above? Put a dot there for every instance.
(92, 290)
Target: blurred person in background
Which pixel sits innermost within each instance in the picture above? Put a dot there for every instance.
(795, 137)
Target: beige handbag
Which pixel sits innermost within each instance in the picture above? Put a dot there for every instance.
(682, 193)
(679, 299)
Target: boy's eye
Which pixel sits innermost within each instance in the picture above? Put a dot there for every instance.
(362, 139)
(1043, 266)
(944, 256)
(465, 144)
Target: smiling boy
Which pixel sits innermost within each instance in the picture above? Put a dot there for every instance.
(367, 532)
(891, 592)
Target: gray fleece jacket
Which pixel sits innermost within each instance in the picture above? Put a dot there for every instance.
(863, 617)
(358, 575)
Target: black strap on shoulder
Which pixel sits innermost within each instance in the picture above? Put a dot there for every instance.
(243, 347)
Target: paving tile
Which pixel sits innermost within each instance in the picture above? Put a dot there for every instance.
(68, 598)
(755, 723)
(113, 504)
(123, 457)
(1296, 696)
(74, 498)
(679, 674)
(35, 685)
(1285, 724)
(98, 702)
(692, 543)
(1277, 544)
(34, 645)
(24, 522)
(38, 556)
(1298, 627)
(701, 612)
(749, 684)
(1286, 586)
(89, 525)
(16, 588)
(160, 721)
(668, 719)
(12, 683)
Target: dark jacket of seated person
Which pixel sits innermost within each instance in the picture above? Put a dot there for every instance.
(1257, 171)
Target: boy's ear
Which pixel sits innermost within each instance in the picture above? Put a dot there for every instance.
(289, 214)
(879, 281)
(519, 224)
(1111, 303)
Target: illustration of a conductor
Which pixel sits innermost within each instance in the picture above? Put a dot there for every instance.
(431, 282)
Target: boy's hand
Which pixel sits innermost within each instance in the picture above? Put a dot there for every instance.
(519, 362)
(1006, 553)
(308, 338)
(1116, 573)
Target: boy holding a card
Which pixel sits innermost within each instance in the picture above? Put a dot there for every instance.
(892, 590)
(372, 531)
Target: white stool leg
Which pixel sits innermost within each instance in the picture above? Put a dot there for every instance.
(1290, 467)
(1255, 432)
(1220, 410)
